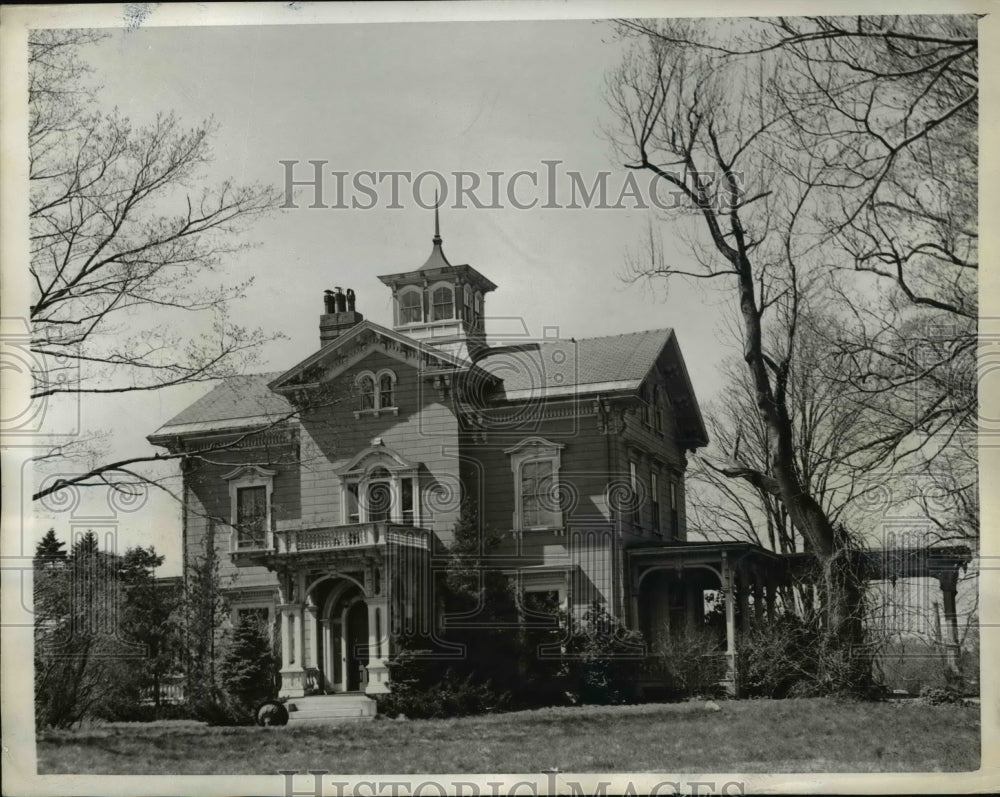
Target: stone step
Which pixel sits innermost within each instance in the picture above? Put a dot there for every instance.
(331, 708)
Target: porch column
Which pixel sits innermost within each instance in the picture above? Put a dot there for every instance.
(949, 589)
(312, 657)
(741, 596)
(727, 593)
(693, 600)
(758, 598)
(292, 671)
(771, 587)
(327, 643)
(378, 673)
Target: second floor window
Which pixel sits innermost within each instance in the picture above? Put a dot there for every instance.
(251, 516)
(538, 504)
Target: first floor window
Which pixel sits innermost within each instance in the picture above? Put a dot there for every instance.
(537, 500)
(543, 601)
(674, 514)
(251, 516)
(654, 490)
(257, 616)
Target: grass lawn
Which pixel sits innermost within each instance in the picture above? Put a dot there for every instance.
(745, 736)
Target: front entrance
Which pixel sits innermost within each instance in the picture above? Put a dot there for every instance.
(356, 638)
(342, 636)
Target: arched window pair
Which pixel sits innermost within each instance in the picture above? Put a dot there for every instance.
(376, 391)
(411, 309)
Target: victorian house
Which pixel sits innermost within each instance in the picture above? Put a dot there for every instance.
(331, 491)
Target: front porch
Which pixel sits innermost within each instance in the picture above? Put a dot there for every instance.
(343, 592)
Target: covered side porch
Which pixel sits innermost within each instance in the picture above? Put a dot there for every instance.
(668, 585)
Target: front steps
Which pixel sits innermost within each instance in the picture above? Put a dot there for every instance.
(329, 709)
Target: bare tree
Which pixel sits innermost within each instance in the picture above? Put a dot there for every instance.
(824, 427)
(799, 150)
(889, 106)
(125, 241)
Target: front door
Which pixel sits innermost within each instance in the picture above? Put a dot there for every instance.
(357, 644)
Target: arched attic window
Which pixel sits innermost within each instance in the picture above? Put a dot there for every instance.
(442, 304)
(376, 393)
(366, 392)
(386, 390)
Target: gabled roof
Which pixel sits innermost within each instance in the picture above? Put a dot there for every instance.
(301, 374)
(550, 369)
(622, 360)
(556, 368)
(234, 403)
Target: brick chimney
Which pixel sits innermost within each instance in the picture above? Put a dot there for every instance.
(339, 315)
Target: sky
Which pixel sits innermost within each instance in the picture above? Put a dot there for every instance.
(443, 97)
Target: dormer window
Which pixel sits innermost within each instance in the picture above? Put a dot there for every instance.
(442, 304)
(411, 309)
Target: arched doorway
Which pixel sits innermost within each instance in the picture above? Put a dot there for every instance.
(356, 639)
(343, 635)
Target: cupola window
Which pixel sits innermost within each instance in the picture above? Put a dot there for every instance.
(442, 304)
(410, 310)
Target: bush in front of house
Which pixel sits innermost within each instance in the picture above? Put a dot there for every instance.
(425, 686)
(787, 658)
(248, 677)
(602, 659)
(778, 659)
(690, 662)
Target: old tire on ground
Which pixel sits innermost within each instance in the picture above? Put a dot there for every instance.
(271, 712)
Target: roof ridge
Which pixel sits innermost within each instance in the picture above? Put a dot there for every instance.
(619, 334)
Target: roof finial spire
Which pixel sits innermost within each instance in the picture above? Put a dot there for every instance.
(437, 222)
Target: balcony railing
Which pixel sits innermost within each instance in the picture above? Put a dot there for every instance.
(333, 538)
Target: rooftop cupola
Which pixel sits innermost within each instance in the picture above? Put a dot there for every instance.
(441, 303)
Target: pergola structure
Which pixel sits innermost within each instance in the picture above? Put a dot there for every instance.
(668, 583)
